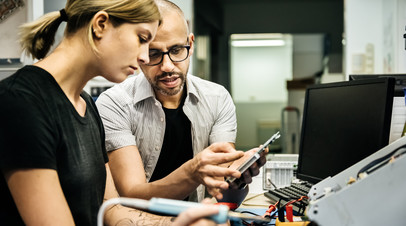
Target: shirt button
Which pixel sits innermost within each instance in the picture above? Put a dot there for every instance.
(156, 148)
(156, 103)
(162, 119)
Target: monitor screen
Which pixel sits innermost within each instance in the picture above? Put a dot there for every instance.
(343, 122)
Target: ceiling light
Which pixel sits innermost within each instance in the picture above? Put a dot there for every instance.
(253, 43)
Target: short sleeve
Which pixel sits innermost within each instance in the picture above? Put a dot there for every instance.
(27, 139)
(225, 125)
(116, 121)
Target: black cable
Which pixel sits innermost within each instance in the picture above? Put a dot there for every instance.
(384, 163)
(252, 213)
(379, 160)
(254, 223)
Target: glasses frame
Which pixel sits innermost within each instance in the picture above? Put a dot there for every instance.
(167, 53)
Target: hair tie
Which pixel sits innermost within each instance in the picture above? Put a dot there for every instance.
(64, 16)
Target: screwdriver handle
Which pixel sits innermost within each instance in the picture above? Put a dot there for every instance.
(175, 207)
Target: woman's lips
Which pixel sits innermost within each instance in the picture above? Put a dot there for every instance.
(133, 69)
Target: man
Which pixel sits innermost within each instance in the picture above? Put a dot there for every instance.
(157, 123)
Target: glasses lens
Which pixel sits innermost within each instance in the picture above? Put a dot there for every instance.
(178, 53)
(154, 56)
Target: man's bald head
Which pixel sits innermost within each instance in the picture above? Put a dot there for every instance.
(167, 7)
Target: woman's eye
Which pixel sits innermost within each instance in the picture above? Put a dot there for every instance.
(143, 40)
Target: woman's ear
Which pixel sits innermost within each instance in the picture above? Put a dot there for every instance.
(100, 23)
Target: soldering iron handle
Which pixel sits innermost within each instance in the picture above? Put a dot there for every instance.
(175, 207)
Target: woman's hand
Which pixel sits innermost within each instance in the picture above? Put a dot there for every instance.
(196, 216)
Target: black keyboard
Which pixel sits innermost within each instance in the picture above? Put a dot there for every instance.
(292, 192)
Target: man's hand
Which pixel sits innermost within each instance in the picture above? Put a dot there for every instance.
(252, 171)
(206, 167)
(237, 190)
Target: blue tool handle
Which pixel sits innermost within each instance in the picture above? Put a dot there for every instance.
(175, 207)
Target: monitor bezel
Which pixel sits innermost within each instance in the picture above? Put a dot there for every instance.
(399, 78)
(390, 84)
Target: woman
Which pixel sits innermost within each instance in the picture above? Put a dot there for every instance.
(52, 153)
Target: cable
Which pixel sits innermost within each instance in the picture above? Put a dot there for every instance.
(288, 203)
(162, 206)
(270, 181)
(377, 163)
(252, 197)
(136, 203)
(270, 209)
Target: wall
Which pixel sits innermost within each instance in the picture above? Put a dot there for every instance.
(378, 25)
(218, 18)
(10, 48)
(258, 74)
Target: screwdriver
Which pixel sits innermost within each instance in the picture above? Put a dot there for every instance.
(173, 207)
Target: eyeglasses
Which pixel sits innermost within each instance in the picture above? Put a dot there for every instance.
(175, 53)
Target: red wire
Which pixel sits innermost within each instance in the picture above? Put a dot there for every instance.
(271, 208)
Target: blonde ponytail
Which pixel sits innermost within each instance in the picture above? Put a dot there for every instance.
(38, 36)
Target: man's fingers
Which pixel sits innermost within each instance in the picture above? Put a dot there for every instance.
(254, 169)
(261, 161)
(220, 158)
(211, 182)
(215, 192)
(219, 171)
(222, 147)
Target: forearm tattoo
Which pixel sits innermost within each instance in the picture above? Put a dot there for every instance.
(138, 217)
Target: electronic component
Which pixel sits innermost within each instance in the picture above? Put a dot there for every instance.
(344, 200)
(244, 166)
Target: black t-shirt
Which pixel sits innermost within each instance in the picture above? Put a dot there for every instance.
(40, 128)
(177, 146)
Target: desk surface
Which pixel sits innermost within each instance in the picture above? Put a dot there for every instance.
(256, 201)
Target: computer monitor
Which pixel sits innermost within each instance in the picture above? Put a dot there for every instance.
(400, 80)
(343, 122)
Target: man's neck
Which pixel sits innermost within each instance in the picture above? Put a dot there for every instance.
(170, 102)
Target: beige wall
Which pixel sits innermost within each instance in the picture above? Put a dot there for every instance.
(9, 46)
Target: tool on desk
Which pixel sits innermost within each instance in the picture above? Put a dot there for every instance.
(243, 167)
(174, 207)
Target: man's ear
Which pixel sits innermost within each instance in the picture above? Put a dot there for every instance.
(100, 23)
(191, 43)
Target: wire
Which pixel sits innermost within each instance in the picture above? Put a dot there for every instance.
(270, 209)
(253, 223)
(270, 181)
(252, 197)
(377, 163)
(288, 203)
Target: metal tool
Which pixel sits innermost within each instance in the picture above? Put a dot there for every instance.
(243, 167)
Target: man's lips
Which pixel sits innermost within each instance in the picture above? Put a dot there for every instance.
(170, 81)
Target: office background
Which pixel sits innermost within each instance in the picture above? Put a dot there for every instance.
(324, 41)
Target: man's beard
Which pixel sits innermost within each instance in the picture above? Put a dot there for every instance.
(166, 91)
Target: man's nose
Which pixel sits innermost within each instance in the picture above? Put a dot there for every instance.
(167, 64)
